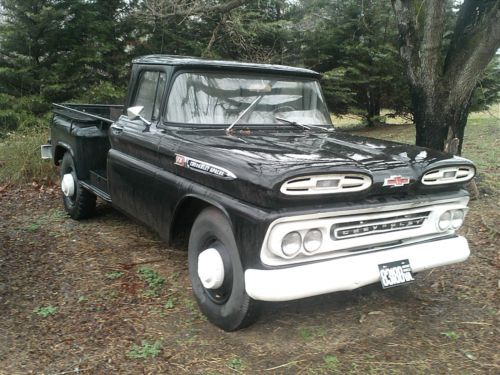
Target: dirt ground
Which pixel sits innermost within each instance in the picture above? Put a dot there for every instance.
(444, 323)
(72, 302)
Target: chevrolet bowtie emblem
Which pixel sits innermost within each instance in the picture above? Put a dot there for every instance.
(394, 181)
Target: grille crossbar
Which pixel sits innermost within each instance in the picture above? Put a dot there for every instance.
(376, 226)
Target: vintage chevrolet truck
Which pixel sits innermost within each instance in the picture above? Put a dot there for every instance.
(277, 204)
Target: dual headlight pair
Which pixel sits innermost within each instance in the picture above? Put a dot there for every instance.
(293, 242)
(451, 219)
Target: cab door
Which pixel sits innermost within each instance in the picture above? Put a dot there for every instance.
(133, 160)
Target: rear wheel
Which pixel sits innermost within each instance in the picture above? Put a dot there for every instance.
(78, 202)
(216, 273)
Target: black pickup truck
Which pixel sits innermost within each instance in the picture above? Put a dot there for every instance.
(278, 205)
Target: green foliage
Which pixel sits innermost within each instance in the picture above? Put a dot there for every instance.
(45, 311)
(331, 362)
(146, 350)
(170, 304)
(152, 279)
(32, 227)
(54, 51)
(236, 364)
(451, 335)
(113, 275)
(488, 88)
(356, 48)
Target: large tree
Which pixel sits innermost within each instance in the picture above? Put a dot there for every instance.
(445, 65)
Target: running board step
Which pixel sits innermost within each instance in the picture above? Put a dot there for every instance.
(94, 189)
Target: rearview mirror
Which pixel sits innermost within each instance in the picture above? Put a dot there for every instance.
(134, 113)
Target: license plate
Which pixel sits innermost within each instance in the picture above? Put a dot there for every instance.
(395, 273)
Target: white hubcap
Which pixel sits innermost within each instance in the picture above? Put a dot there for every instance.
(211, 269)
(68, 185)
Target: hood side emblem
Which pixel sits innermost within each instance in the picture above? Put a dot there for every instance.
(395, 181)
(203, 167)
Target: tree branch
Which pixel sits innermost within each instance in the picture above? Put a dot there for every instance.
(162, 9)
(475, 40)
(408, 38)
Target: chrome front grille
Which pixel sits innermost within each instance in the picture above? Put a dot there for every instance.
(375, 226)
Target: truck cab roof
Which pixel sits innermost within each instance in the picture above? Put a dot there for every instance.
(197, 62)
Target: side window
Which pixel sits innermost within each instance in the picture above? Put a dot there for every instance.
(148, 94)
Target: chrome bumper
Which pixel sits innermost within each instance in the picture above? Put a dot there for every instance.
(349, 272)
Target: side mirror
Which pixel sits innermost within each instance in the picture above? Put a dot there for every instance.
(134, 113)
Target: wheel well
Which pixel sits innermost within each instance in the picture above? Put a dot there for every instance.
(58, 154)
(185, 215)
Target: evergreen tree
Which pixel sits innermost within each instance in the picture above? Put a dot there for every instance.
(355, 44)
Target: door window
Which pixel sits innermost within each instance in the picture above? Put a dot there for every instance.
(148, 94)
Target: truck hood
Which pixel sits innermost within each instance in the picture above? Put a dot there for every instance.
(263, 160)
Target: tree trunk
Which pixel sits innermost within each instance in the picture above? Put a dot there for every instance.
(439, 123)
(372, 108)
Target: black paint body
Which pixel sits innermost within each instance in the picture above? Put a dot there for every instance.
(144, 181)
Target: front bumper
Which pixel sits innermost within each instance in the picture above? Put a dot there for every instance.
(350, 272)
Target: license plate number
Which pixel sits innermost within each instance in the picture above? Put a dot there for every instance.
(395, 273)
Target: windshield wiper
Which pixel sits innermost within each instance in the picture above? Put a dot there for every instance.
(308, 127)
(245, 111)
(292, 122)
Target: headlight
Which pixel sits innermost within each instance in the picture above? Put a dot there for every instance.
(313, 240)
(445, 221)
(291, 243)
(457, 219)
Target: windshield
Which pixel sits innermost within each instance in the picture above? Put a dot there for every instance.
(216, 99)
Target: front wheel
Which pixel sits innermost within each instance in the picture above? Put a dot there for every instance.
(78, 202)
(216, 272)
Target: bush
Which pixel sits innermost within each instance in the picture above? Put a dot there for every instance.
(9, 121)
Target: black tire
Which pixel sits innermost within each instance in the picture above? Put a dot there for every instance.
(228, 307)
(82, 204)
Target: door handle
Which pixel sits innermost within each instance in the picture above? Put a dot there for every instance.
(117, 129)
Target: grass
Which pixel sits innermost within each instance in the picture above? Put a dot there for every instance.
(45, 311)
(236, 364)
(331, 362)
(146, 350)
(113, 275)
(153, 280)
(20, 160)
(170, 304)
(452, 335)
